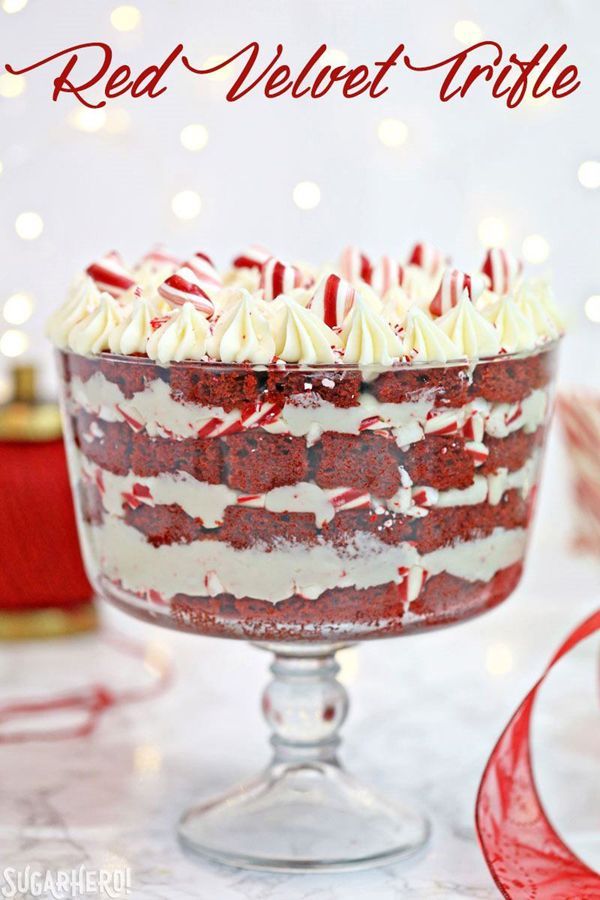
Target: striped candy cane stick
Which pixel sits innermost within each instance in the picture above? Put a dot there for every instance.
(579, 412)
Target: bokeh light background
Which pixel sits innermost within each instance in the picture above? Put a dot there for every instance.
(302, 177)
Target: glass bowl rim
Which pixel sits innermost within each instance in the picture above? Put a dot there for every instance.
(285, 368)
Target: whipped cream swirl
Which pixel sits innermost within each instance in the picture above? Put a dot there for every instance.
(367, 338)
(242, 334)
(424, 341)
(182, 336)
(470, 332)
(301, 337)
(92, 333)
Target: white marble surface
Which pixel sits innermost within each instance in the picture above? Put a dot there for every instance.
(424, 716)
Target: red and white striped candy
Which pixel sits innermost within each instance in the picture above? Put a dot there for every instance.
(332, 300)
(371, 423)
(183, 286)
(412, 581)
(111, 275)
(441, 423)
(254, 257)
(501, 269)
(348, 498)
(204, 269)
(478, 451)
(277, 277)
(387, 274)
(252, 416)
(131, 420)
(427, 258)
(424, 496)
(355, 266)
(253, 501)
(452, 286)
(217, 427)
(474, 427)
(260, 414)
(140, 494)
(158, 257)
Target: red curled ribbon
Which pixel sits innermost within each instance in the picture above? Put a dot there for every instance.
(525, 855)
(89, 702)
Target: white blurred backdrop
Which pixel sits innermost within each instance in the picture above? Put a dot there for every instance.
(455, 174)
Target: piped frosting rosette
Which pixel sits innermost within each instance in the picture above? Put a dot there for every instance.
(264, 311)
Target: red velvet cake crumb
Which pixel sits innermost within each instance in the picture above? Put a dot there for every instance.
(445, 598)
(108, 444)
(165, 524)
(367, 461)
(372, 612)
(244, 528)
(214, 385)
(511, 452)
(445, 386)
(440, 462)
(509, 380)
(203, 459)
(341, 387)
(257, 461)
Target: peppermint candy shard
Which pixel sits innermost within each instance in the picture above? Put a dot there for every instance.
(332, 300)
(277, 277)
(355, 265)
(387, 274)
(254, 257)
(501, 270)
(453, 285)
(182, 287)
(110, 275)
(427, 258)
(158, 257)
(204, 269)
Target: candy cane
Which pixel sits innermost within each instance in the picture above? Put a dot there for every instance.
(277, 277)
(348, 498)
(204, 269)
(452, 286)
(332, 300)
(158, 257)
(111, 275)
(427, 258)
(254, 257)
(387, 274)
(355, 266)
(501, 269)
(184, 287)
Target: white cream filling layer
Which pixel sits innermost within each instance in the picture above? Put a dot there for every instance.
(208, 502)
(155, 410)
(207, 568)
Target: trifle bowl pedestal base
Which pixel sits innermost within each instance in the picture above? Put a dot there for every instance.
(304, 812)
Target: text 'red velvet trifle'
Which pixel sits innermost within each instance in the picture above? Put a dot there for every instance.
(281, 452)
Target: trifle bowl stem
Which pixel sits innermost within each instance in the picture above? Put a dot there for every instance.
(304, 812)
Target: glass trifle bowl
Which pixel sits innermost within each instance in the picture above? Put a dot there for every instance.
(304, 507)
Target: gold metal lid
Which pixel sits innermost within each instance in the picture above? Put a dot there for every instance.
(24, 418)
